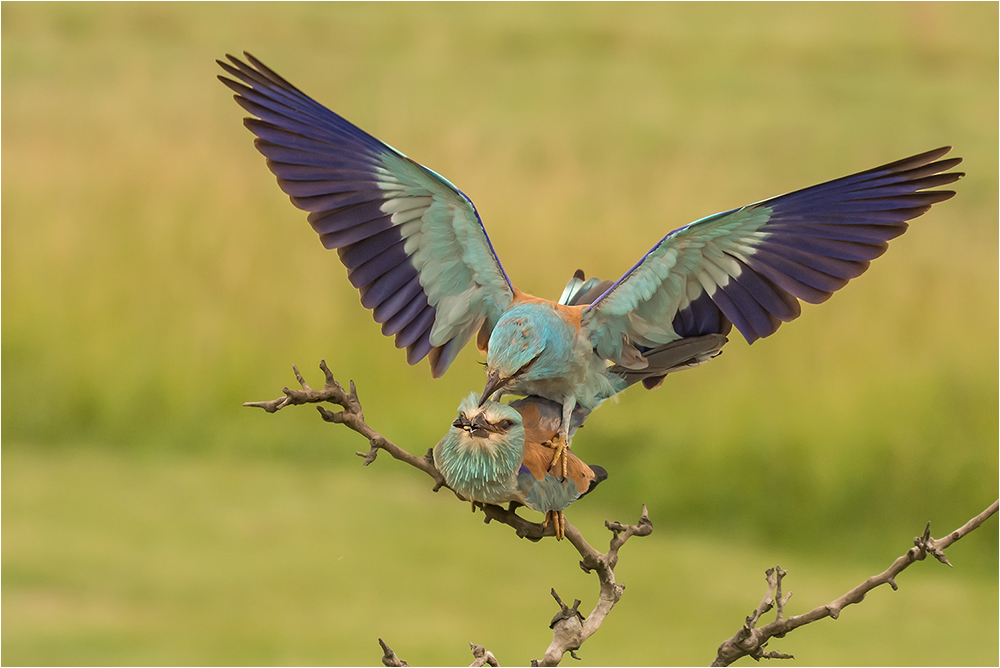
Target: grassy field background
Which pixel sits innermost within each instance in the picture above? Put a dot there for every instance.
(154, 278)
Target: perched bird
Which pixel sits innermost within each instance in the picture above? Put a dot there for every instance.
(415, 247)
(499, 453)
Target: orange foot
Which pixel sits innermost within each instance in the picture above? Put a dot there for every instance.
(559, 460)
(558, 519)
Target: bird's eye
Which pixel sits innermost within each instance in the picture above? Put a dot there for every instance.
(505, 424)
(524, 369)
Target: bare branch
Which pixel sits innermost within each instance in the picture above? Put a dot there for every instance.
(483, 657)
(389, 657)
(569, 628)
(959, 533)
(351, 417)
(533, 531)
(750, 641)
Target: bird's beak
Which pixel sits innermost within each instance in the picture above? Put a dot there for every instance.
(493, 383)
(481, 428)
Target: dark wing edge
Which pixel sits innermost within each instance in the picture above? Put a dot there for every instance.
(344, 178)
(804, 245)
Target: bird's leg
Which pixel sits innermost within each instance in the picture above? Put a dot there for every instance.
(569, 405)
(561, 441)
(559, 460)
(558, 519)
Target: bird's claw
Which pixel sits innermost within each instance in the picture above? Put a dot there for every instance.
(558, 519)
(559, 460)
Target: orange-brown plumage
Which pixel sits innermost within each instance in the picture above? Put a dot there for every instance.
(572, 314)
(539, 450)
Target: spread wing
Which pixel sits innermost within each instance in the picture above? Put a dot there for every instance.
(413, 244)
(749, 267)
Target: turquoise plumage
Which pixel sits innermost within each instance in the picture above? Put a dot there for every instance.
(481, 454)
(536, 349)
(415, 247)
(499, 453)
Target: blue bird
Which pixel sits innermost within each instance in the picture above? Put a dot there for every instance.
(499, 453)
(416, 249)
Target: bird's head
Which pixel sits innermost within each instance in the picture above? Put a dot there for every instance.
(489, 424)
(483, 447)
(530, 342)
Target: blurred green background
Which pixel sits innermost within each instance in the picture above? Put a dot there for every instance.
(154, 278)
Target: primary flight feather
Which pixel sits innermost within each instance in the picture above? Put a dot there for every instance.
(415, 247)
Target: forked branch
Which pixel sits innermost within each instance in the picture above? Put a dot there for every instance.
(569, 628)
(351, 416)
(389, 657)
(750, 640)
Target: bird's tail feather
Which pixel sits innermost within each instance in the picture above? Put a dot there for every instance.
(580, 290)
(670, 357)
(600, 475)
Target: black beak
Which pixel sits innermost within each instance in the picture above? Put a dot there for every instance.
(480, 428)
(493, 383)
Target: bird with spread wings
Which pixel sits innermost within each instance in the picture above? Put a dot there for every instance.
(416, 249)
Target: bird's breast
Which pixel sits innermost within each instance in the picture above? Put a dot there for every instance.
(478, 469)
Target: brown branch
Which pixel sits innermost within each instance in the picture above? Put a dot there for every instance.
(483, 657)
(389, 657)
(750, 641)
(352, 417)
(533, 531)
(569, 628)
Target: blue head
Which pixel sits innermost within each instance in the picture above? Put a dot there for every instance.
(481, 454)
(530, 342)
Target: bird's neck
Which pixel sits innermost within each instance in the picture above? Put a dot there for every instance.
(481, 470)
(572, 314)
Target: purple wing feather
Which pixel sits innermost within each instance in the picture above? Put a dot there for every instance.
(360, 193)
(749, 267)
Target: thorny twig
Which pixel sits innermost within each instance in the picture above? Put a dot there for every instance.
(750, 641)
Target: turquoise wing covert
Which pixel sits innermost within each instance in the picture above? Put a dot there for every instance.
(748, 267)
(413, 243)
